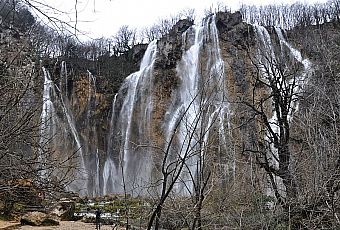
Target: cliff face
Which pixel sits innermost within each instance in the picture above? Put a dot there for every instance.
(191, 94)
(80, 117)
(186, 89)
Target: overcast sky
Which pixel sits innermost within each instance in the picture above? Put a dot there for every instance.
(104, 17)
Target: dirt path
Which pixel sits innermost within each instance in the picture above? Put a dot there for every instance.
(8, 224)
(64, 225)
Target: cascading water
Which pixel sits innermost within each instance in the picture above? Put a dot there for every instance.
(267, 63)
(200, 101)
(196, 117)
(301, 78)
(197, 105)
(48, 123)
(90, 143)
(53, 129)
(109, 171)
(130, 166)
(63, 85)
(47, 113)
(81, 174)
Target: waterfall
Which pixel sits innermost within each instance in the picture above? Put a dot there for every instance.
(96, 184)
(110, 170)
(198, 105)
(267, 61)
(47, 125)
(90, 138)
(52, 128)
(130, 166)
(47, 113)
(69, 117)
(301, 78)
(195, 116)
(63, 85)
(81, 174)
(201, 101)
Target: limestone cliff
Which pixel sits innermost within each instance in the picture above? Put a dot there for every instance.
(191, 94)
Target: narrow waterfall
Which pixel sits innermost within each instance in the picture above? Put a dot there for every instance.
(56, 127)
(81, 177)
(267, 60)
(301, 79)
(63, 84)
(109, 171)
(48, 122)
(47, 113)
(89, 136)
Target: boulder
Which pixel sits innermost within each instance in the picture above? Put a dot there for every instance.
(38, 219)
(64, 209)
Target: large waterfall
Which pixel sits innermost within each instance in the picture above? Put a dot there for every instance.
(143, 139)
(197, 105)
(126, 162)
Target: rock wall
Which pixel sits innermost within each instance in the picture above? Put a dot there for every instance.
(196, 80)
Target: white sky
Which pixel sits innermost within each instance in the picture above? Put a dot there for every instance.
(104, 17)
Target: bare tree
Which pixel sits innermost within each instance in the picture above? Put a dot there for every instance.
(124, 39)
(277, 89)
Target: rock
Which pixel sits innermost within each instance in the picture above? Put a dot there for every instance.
(226, 21)
(181, 26)
(138, 52)
(170, 46)
(233, 30)
(64, 209)
(38, 219)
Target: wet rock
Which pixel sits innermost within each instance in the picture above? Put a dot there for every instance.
(38, 219)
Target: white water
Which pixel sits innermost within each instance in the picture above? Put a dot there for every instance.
(50, 125)
(96, 184)
(82, 182)
(197, 117)
(267, 62)
(63, 85)
(109, 170)
(132, 168)
(47, 125)
(47, 113)
(200, 103)
(300, 79)
(110, 176)
(91, 144)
